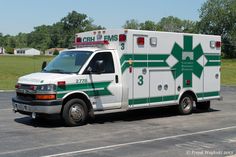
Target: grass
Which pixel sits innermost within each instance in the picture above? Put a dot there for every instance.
(228, 72)
(12, 67)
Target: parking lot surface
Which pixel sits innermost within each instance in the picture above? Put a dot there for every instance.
(141, 133)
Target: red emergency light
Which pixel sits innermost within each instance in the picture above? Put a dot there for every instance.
(122, 38)
(78, 40)
(140, 41)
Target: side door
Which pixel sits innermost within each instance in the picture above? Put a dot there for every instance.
(162, 87)
(140, 72)
(102, 78)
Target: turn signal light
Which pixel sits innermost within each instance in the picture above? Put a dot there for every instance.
(45, 97)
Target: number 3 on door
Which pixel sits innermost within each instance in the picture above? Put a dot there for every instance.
(140, 80)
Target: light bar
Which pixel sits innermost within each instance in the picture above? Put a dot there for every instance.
(105, 42)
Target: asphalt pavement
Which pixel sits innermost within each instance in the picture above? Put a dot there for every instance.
(159, 132)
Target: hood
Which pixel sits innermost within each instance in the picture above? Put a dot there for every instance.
(43, 78)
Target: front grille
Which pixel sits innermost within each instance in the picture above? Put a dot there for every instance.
(27, 97)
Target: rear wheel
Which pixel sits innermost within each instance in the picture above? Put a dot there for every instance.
(186, 104)
(75, 112)
(203, 105)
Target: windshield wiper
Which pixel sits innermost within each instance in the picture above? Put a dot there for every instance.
(56, 71)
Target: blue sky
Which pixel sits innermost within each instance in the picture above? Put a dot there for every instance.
(23, 15)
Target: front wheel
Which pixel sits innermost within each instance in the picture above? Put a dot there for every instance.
(186, 104)
(75, 112)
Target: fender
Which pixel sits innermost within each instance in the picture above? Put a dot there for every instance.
(76, 92)
(185, 91)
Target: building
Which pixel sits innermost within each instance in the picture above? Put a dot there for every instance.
(27, 51)
(51, 51)
(2, 50)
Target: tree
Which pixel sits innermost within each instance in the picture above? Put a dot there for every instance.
(131, 24)
(148, 25)
(9, 50)
(75, 23)
(170, 24)
(56, 52)
(218, 17)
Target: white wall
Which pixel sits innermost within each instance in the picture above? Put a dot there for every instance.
(32, 52)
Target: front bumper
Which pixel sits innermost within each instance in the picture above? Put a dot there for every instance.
(35, 106)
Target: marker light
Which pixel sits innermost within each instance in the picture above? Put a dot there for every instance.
(17, 86)
(140, 41)
(61, 83)
(122, 38)
(78, 40)
(215, 44)
(188, 82)
(218, 44)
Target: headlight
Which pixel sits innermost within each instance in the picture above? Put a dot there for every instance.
(47, 88)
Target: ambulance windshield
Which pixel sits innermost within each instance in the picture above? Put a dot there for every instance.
(68, 62)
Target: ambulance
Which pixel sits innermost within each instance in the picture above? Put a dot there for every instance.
(119, 70)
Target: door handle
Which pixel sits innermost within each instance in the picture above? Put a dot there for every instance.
(117, 79)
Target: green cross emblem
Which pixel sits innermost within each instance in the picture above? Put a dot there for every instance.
(187, 61)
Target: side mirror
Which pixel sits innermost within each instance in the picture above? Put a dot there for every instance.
(44, 64)
(100, 66)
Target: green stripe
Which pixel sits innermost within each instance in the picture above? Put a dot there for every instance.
(208, 94)
(213, 57)
(213, 64)
(213, 60)
(168, 98)
(144, 64)
(136, 58)
(91, 89)
(152, 99)
(144, 57)
(83, 86)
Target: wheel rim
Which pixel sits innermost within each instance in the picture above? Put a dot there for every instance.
(76, 113)
(186, 104)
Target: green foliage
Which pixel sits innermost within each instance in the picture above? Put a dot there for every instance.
(148, 25)
(56, 52)
(60, 34)
(168, 24)
(218, 17)
(9, 50)
(131, 24)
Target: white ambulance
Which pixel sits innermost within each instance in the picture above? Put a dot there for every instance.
(119, 70)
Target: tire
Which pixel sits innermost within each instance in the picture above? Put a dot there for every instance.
(75, 112)
(203, 105)
(186, 104)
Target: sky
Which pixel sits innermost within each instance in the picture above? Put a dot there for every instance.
(23, 15)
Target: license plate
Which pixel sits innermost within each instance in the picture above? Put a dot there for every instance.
(23, 107)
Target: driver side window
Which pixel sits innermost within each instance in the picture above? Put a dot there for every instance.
(108, 64)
